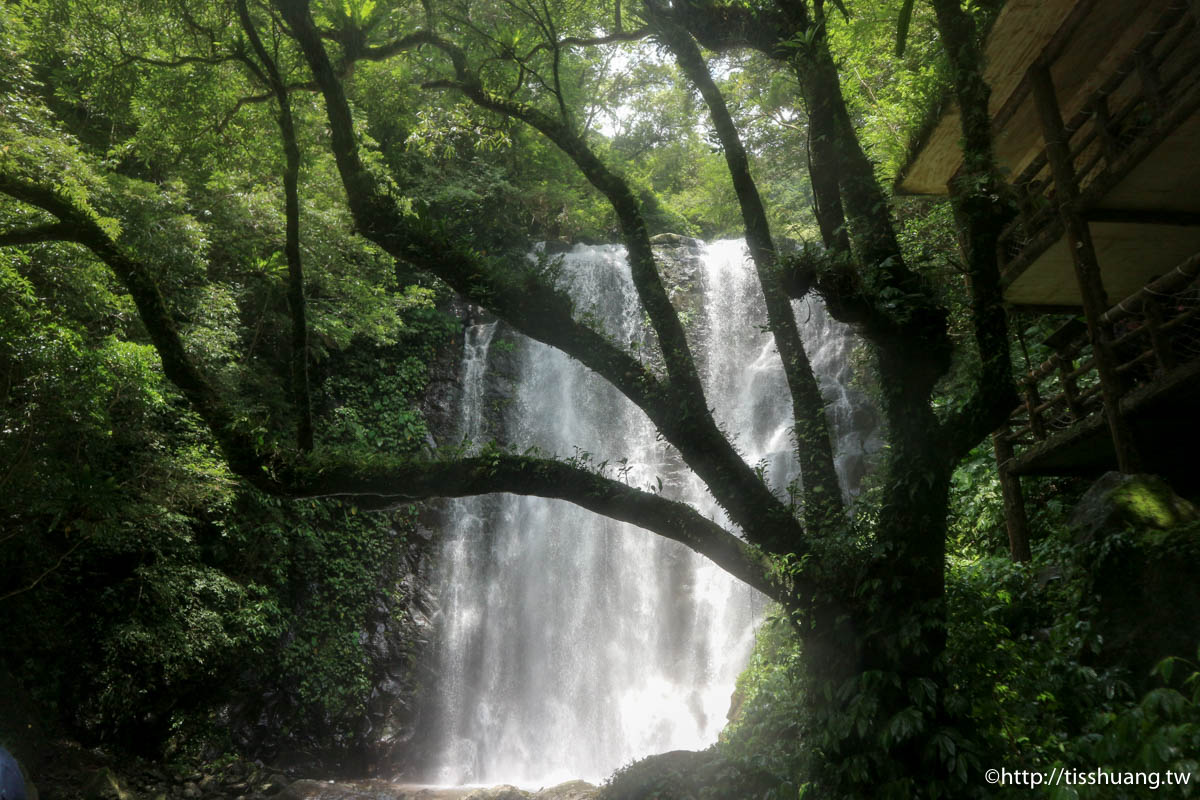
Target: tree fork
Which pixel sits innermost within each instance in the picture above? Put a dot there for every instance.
(401, 481)
(979, 198)
(823, 509)
(544, 314)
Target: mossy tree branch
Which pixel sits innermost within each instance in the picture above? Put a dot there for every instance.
(676, 406)
(982, 208)
(394, 482)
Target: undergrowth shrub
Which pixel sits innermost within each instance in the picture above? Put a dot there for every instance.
(1029, 684)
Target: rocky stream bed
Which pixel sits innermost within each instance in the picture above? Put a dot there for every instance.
(66, 771)
(384, 790)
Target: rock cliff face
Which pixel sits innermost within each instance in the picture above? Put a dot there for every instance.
(443, 392)
(397, 635)
(394, 633)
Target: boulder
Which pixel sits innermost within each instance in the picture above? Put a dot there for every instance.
(12, 778)
(688, 775)
(1139, 545)
(498, 793)
(385, 790)
(1117, 502)
(571, 790)
(104, 784)
(675, 240)
(553, 247)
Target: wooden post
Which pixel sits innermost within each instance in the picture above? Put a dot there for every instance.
(1070, 390)
(1032, 401)
(1104, 132)
(1025, 205)
(1087, 268)
(1151, 82)
(1163, 352)
(1015, 519)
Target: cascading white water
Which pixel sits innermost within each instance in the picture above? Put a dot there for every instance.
(571, 644)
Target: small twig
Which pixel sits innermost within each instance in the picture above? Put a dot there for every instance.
(39, 578)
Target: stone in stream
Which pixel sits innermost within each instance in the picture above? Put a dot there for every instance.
(571, 790)
(498, 793)
(104, 784)
(12, 782)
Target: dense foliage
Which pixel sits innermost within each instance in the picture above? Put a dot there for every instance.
(151, 599)
(1034, 676)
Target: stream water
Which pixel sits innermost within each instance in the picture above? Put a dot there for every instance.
(571, 644)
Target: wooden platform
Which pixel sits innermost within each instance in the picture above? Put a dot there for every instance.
(1154, 411)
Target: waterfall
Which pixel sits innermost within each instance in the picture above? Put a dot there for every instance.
(570, 644)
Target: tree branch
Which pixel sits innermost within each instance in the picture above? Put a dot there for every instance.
(492, 472)
(594, 41)
(543, 312)
(823, 509)
(291, 179)
(653, 296)
(894, 305)
(390, 484)
(981, 207)
(49, 232)
(386, 51)
(34, 583)
(239, 450)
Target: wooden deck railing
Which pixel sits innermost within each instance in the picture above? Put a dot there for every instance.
(1127, 107)
(1155, 332)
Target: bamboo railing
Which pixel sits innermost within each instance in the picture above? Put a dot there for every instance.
(1132, 109)
(1156, 331)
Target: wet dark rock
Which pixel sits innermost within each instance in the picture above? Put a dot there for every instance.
(381, 790)
(571, 790)
(675, 240)
(681, 265)
(553, 247)
(1118, 501)
(12, 778)
(498, 793)
(1140, 543)
(443, 391)
(105, 784)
